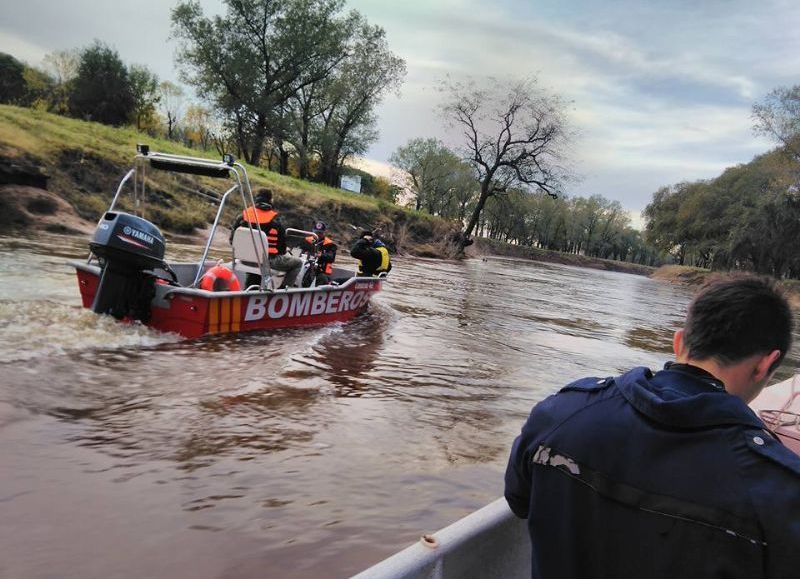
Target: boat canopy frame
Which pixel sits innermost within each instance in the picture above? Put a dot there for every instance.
(226, 168)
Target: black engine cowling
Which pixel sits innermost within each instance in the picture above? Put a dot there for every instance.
(127, 247)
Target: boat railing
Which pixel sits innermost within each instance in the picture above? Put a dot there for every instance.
(207, 247)
(490, 542)
(785, 421)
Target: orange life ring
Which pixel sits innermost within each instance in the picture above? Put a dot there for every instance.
(219, 279)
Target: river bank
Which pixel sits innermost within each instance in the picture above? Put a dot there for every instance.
(58, 175)
(697, 276)
(487, 247)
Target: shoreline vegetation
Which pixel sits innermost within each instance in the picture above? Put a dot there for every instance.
(58, 175)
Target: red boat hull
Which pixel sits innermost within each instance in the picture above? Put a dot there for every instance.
(193, 313)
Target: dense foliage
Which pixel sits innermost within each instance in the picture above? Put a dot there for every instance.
(12, 81)
(101, 90)
(297, 79)
(747, 218)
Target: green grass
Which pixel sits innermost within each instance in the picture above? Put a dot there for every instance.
(44, 135)
(60, 145)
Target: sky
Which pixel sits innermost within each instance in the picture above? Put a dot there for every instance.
(660, 90)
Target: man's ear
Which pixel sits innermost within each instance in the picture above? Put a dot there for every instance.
(766, 365)
(678, 345)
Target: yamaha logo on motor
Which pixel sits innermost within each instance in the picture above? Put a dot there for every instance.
(140, 235)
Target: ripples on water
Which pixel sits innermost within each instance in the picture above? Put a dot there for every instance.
(298, 453)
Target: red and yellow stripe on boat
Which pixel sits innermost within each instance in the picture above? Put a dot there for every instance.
(224, 315)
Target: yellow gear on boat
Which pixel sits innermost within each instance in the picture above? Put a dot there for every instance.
(384, 260)
(384, 266)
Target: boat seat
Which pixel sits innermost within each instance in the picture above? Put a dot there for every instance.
(250, 246)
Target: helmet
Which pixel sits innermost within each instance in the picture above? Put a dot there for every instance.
(320, 226)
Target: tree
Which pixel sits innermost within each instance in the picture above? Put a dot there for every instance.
(144, 86)
(199, 128)
(261, 53)
(359, 83)
(778, 117)
(514, 136)
(170, 99)
(101, 91)
(442, 184)
(39, 89)
(12, 81)
(63, 67)
(428, 166)
(667, 227)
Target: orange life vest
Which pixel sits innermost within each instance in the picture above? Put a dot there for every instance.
(264, 217)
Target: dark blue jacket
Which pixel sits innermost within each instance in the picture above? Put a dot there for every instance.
(651, 476)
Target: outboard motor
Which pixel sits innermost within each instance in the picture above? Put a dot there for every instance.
(127, 247)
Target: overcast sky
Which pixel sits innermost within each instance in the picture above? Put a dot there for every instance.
(661, 89)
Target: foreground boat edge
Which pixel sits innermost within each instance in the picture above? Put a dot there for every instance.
(490, 542)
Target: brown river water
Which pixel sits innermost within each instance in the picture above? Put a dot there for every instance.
(125, 453)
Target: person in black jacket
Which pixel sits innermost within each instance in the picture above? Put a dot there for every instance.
(668, 474)
(372, 255)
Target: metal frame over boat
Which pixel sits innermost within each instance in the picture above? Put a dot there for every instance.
(126, 274)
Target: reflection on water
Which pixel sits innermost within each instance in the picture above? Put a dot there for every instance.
(298, 453)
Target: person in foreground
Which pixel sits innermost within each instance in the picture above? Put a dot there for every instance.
(372, 255)
(668, 474)
(267, 218)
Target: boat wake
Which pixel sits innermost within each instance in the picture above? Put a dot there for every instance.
(30, 330)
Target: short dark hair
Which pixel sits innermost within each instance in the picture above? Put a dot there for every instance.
(264, 195)
(738, 316)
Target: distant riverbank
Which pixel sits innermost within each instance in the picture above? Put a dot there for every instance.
(696, 276)
(489, 247)
(679, 274)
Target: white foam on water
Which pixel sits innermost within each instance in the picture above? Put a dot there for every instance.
(36, 329)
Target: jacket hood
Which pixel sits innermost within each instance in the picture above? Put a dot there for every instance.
(683, 399)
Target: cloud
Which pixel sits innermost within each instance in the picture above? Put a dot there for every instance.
(22, 49)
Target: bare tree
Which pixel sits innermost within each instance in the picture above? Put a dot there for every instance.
(171, 101)
(63, 66)
(515, 135)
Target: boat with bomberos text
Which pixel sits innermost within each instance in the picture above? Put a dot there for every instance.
(127, 276)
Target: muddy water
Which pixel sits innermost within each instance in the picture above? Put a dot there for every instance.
(300, 453)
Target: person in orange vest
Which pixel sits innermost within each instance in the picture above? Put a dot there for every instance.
(324, 249)
(266, 217)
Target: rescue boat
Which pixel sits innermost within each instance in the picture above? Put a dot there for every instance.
(127, 276)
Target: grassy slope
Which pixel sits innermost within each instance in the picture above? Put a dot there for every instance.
(86, 160)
